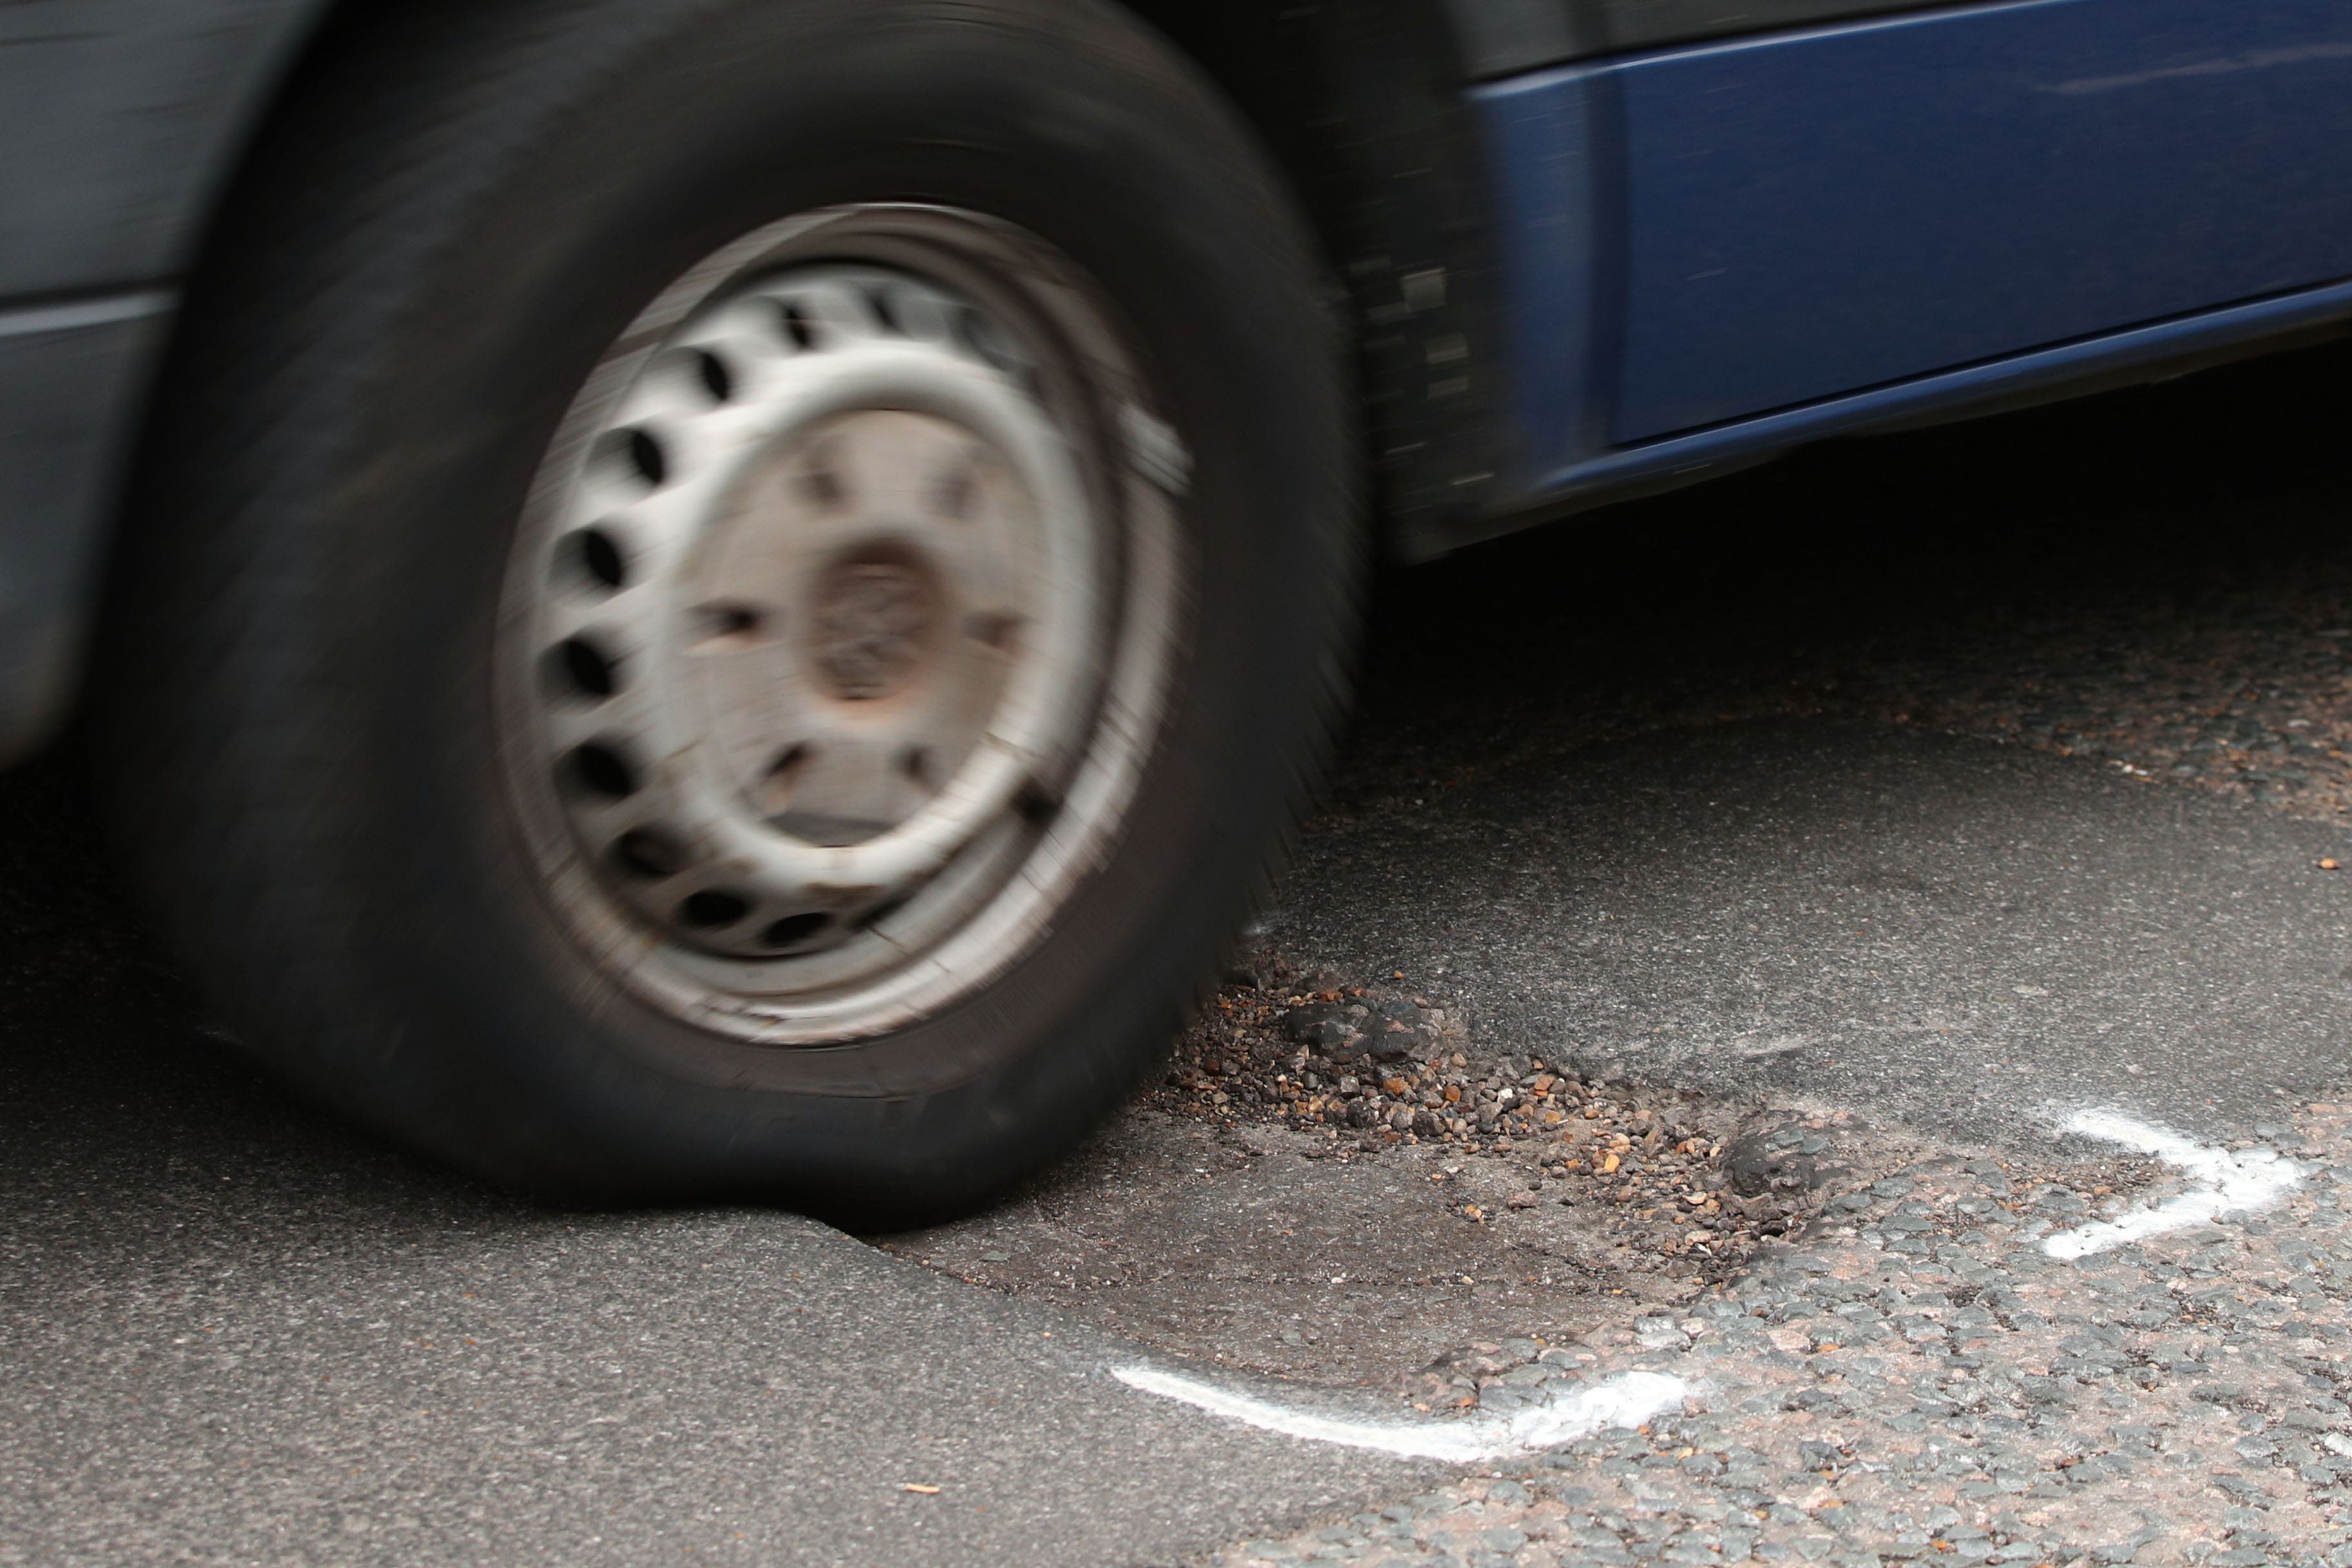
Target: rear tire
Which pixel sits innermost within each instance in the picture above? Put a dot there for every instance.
(331, 768)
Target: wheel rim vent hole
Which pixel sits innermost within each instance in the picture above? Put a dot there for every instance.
(712, 909)
(601, 769)
(716, 378)
(649, 854)
(1035, 807)
(794, 929)
(597, 556)
(800, 326)
(638, 454)
(578, 667)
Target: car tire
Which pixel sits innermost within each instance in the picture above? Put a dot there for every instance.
(465, 295)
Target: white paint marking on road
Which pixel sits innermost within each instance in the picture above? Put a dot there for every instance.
(2234, 1184)
(1627, 1399)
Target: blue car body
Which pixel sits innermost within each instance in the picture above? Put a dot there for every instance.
(1684, 234)
(1714, 250)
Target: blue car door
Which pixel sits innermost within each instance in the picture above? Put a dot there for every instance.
(1716, 234)
(1838, 208)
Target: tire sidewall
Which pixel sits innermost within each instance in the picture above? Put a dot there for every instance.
(507, 1047)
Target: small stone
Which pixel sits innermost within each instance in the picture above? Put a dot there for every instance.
(1326, 1027)
(1764, 1160)
(1398, 1031)
(1658, 1334)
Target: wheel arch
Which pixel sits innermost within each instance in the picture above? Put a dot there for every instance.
(1363, 104)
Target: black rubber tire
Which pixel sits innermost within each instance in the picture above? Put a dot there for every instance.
(459, 208)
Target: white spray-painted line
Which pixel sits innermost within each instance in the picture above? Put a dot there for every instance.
(1627, 1399)
(2237, 1183)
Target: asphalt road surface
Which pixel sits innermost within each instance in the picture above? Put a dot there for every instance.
(1956, 934)
(1614, 794)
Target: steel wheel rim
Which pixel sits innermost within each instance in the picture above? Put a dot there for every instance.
(839, 622)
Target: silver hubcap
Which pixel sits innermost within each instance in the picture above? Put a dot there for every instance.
(836, 620)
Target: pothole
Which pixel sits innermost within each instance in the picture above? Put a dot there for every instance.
(1267, 1209)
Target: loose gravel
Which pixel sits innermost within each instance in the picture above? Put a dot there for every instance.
(1373, 1067)
(1920, 1382)
(1268, 1210)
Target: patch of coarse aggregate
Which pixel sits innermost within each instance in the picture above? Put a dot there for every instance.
(1338, 1183)
(1921, 1382)
(1368, 1068)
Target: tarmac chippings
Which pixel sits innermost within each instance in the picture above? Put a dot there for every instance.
(1336, 1184)
(1920, 1381)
